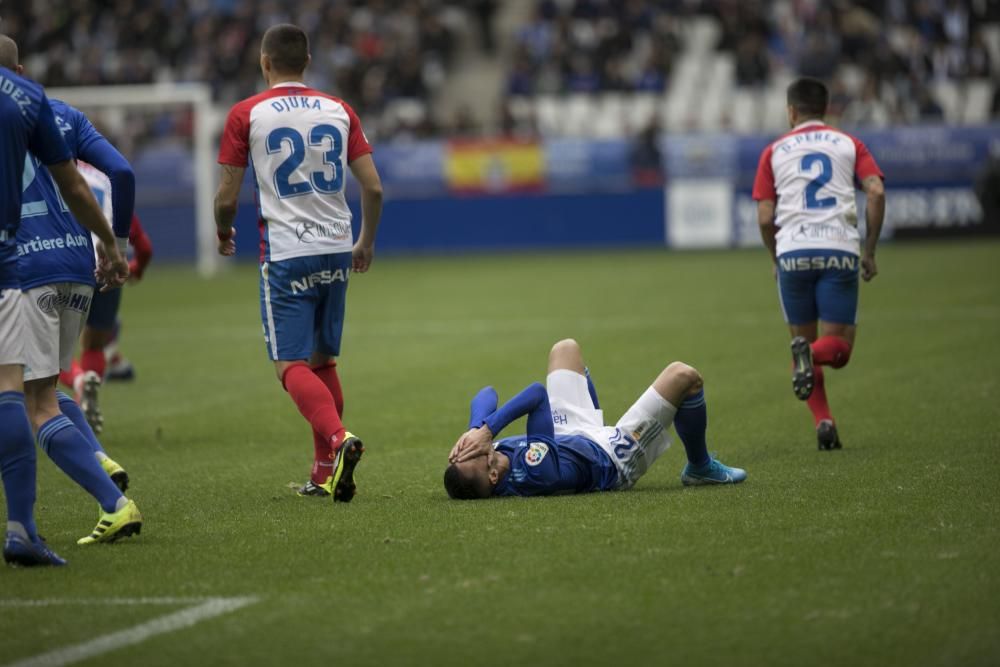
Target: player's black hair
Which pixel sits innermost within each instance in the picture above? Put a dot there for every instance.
(809, 97)
(459, 486)
(287, 46)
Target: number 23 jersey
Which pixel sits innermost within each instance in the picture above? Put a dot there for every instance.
(298, 142)
(810, 172)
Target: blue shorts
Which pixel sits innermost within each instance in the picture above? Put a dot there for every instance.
(104, 309)
(818, 285)
(302, 305)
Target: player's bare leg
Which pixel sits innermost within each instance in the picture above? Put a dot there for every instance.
(677, 382)
(566, 355)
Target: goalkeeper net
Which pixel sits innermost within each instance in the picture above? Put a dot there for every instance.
(167, 131)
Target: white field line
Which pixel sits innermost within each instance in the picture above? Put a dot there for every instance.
(206, 608)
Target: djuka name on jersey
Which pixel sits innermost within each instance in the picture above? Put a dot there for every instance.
(296, 102)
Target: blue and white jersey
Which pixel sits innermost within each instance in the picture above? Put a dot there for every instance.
(26, 124)
(541, 466)
(51, 245)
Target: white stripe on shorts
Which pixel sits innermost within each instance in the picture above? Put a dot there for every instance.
(272, 335)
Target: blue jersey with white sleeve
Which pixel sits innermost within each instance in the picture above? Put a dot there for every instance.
(26, 124)
(541, 463)
(51, 245)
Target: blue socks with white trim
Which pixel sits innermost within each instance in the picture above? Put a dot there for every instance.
(69, 449)
(691, 423)
(18, 463)
(72, 409)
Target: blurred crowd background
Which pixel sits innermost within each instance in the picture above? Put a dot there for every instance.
(444, 68)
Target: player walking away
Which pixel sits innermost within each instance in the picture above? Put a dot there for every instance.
(101, 330)
(805, 192)
(568, 449)
(28, 124)
(56, 269)
(298, 141)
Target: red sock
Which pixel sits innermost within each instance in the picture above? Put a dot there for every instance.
(322, 448)
(817, 401)
(316, 404)
(93, 360)
(328, 374)
(67, 378)
(831, 351)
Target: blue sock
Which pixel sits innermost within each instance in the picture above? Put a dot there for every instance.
(69, 450)
(691, 422)
(18, 461)
(71, 409)
(592, 389)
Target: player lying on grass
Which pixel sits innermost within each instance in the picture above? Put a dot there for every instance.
(56, 268)
(28, 124)
(568, 448)
(805, 192)
(299, 141)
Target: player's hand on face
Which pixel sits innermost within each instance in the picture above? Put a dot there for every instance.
(227, 243)
(868, 267)
(474, 443)
(361, 257)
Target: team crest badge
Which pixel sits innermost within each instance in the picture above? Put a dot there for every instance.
(536, 452)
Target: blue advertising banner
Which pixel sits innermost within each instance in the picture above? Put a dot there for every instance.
(586, 193)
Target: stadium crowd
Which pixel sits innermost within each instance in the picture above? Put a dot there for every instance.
(881, 56)
(367, 51)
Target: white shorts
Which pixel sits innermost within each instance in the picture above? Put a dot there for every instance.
(634, 443)
(11, 327)
(54, 316)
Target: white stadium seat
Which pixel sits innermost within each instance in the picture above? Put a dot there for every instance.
(978, 98)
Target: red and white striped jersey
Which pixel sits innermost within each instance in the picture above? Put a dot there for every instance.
(298, 142)
(810, 172)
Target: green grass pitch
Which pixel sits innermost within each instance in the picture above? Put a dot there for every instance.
(883, 553)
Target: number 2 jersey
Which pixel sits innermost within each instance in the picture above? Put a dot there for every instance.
(810, 172)
(298, 142)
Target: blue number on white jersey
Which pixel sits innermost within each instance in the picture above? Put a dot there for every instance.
(824, 176)
(318, 180)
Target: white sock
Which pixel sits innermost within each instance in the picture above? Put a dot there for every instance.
(18, 528)
(122, 502)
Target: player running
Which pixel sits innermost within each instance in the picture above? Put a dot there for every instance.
(298, 141)
(568, 449)
(805, 192)
(28, 124)
(101, 331)
(56, 269)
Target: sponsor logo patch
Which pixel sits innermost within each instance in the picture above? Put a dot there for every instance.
(307, 232)
(536, 453)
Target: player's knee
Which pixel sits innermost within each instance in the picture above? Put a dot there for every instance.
(566, 346)
(688, 376)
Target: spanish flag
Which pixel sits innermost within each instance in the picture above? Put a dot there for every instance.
(495, 166)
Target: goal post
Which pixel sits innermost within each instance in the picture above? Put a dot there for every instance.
(206, 119)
